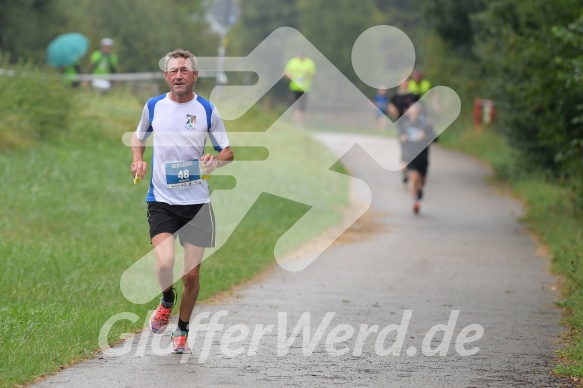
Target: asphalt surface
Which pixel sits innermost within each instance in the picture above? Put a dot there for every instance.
(464, 263)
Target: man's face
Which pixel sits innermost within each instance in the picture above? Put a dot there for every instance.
(180, 76)
(413, 112)
(417, 76)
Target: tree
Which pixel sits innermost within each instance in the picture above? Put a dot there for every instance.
(334, 26)
(453, 21)
(570, 72)
(144, 32)
(257, 20)
(517, 45)
(27, 27)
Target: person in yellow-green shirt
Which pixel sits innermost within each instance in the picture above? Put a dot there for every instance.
(419, 85)
(103, 62)
(300, 70)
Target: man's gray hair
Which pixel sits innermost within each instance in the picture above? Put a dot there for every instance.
(178, 54)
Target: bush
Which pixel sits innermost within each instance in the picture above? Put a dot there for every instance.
(34, 105)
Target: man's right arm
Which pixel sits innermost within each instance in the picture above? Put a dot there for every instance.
(392, 108)
(138, 165)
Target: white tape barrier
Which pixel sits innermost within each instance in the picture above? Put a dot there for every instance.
(123, 76)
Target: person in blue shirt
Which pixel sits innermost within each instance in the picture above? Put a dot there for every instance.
(381, 101)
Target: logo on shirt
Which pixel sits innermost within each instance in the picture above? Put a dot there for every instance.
(190, 121)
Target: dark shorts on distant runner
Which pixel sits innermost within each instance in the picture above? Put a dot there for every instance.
(419, 164)
(303, 102)
(194, 224)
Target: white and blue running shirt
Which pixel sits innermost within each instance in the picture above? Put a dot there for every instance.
(180, 131)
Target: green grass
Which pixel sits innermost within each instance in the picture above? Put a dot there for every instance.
(552, 215)
(554, 218)
(73, 222)
(486, 145)
(387, 132)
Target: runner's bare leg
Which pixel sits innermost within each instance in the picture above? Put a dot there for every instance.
(190, 278)
(164, 247)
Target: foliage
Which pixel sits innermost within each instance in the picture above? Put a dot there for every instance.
(33, 106)
(519, 49)
(332, 27)
(570, 73)
(335, 33)
(528, 55)
(257, 20)
(27, 27)
(142, 31)
(452, 21)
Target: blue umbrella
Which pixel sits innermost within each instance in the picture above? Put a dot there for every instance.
(66, 49)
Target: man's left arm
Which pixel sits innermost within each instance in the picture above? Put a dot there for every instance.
(224, 157)
(218, 136)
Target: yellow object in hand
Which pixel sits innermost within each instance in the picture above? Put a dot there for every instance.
(204, 176)
(137, 179)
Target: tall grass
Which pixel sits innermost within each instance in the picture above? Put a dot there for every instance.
(554, 216)
(33, 106)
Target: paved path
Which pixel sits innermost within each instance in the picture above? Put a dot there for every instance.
(465, 260)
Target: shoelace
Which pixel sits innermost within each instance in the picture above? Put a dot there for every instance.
(163, 314)
(181, 341)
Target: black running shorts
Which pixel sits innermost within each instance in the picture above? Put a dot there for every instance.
(419, 164)
(302, 103)
(194, 224)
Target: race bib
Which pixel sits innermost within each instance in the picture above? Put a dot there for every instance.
(414, 134)
(180, 174)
